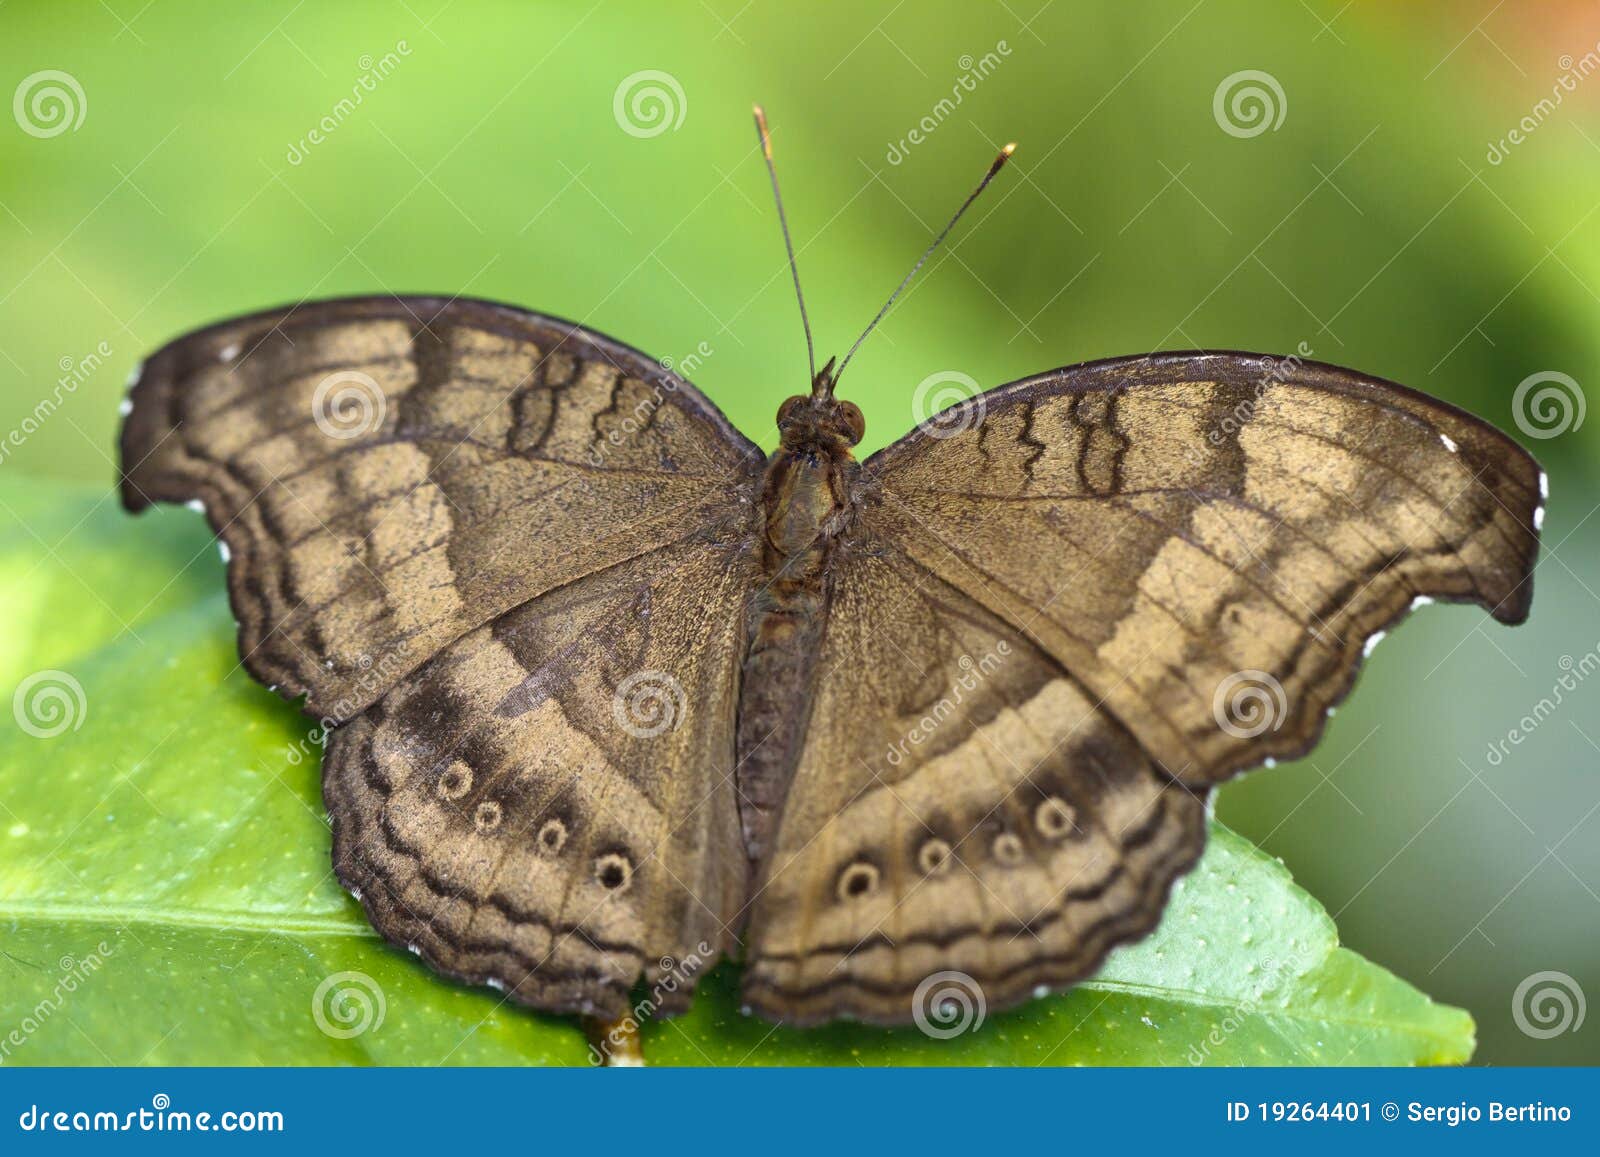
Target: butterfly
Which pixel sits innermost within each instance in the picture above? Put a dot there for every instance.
(607, 690)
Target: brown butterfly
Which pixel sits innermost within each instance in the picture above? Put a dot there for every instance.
(607, 689)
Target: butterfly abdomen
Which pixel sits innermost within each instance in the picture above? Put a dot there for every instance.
(807, 502)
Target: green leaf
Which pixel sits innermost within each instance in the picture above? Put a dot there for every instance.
(166, 895)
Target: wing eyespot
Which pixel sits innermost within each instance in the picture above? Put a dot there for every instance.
(613, 872)
(487, 816)
(455, 782)
(1055, 818)
(858, 881)
(933, 857)
(552, 837)
(1008, 850)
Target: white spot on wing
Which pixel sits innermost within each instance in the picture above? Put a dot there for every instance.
(1269, 762)
(1372, 642)
(1449, 443)
(222, 549)
(1421, 601)
(496, 983)
(196, 505)
(126, 407)
(133, 376)
(1544, 485)
(1538, 517)
(229, 351)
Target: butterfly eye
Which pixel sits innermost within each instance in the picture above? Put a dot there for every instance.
(786, 411)
(850, 413)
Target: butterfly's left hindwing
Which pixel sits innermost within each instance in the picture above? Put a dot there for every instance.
(548, 804)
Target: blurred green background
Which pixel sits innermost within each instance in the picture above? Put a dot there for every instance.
(487, 156)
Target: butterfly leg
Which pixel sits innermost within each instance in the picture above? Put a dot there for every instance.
(614, 1043)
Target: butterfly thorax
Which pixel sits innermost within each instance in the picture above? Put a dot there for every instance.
(807, 504)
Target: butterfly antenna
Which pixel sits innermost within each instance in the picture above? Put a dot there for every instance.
(783, 223)
(999, 163)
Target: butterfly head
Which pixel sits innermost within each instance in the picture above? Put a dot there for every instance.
(819, 417)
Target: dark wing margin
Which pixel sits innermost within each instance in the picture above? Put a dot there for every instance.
(389, 473)
(1210, 542)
